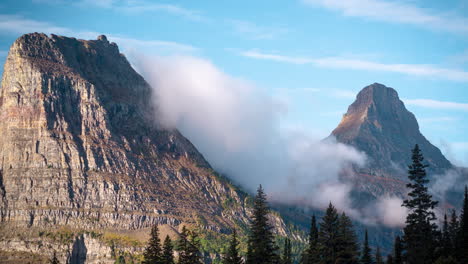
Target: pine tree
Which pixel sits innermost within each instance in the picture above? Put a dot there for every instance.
(398, 251)
(183, 246)
(261, 246)
(445, 243)
(168, 252)
(348, 249)
(453, 229)
(152, 253)
(232, 254)
(193, 252)
(328, 236)
(463, 231)
(54, 259)
(378, 256)
(287, 255)
(419, 232)
(310, 254)
(366, 257)
(390, 259)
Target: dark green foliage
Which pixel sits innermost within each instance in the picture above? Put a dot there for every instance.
(390, 259)
(398, 251)
(188, 246)
(463, 232)
(311, 253)
(120, 260)
(348, 249)
(453, 230)
(168, 252)
(152, 253)
(378, 256)
(261, 246)
(232, 254)
(366, 256)
(420, 231)
(54, 259)
(445, 243)
(446, 260)
(287, 256)
(328, 237)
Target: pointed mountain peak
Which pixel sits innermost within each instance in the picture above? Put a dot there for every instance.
(379, 124)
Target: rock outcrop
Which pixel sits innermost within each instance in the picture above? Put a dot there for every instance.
(379, 124)
(80, 145)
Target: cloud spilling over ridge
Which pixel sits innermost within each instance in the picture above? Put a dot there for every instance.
(236, 126)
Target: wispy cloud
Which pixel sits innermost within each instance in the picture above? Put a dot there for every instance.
(344, 94)
(460, 145)
(134, 6)
(429, 103)
(255, 31)
(438, 119)
(423, 70)
(275, 57)
(20, 25)
(396, 12)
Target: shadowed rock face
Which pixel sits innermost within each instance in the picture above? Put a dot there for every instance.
(78, 146)
(379, 124)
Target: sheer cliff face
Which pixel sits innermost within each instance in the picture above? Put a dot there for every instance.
(379, 124)
(77, 145)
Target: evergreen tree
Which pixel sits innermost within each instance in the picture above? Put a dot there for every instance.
(232, 254)
(366, 257)
(398, 251)
(390, 259)
(120, 260)
(378, 256)
(261, 246)
(287, 255)
(348, 249)
(168, 252)
(152, 253)
(453, 230)
(419, 232)
(54, 259)
(328, 236)
(310, 255)
(463, 231)
(445, 243)
(193, 252)
(183, 247)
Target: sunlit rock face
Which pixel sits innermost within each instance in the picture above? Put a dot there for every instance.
(80, 145)
(378, 123)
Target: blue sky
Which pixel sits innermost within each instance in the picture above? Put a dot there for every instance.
(314, 55)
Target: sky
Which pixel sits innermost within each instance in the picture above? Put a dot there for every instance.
(310, 56)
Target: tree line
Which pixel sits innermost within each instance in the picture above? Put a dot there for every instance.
(333, 240)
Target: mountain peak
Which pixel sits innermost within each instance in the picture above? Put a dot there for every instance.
(379, 124)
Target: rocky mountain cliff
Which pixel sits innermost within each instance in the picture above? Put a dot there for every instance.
(81, 147)
(378, 123)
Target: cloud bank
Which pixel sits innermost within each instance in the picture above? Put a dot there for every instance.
(237, 127)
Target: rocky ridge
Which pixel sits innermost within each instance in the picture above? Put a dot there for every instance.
(378, 124)
(81, 146)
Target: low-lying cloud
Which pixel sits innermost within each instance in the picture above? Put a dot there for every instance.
(237, 127)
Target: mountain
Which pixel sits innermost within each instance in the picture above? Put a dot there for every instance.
(379, 124)
(81, 149)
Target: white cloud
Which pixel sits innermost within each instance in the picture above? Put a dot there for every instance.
(429, 103)
(396, 12)
(133, 6)
(275, 57)
(255, 31)
(237, 127)
(20, 25)
(437, 119)
(422, 70)
(390, 211)
(344, 94)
